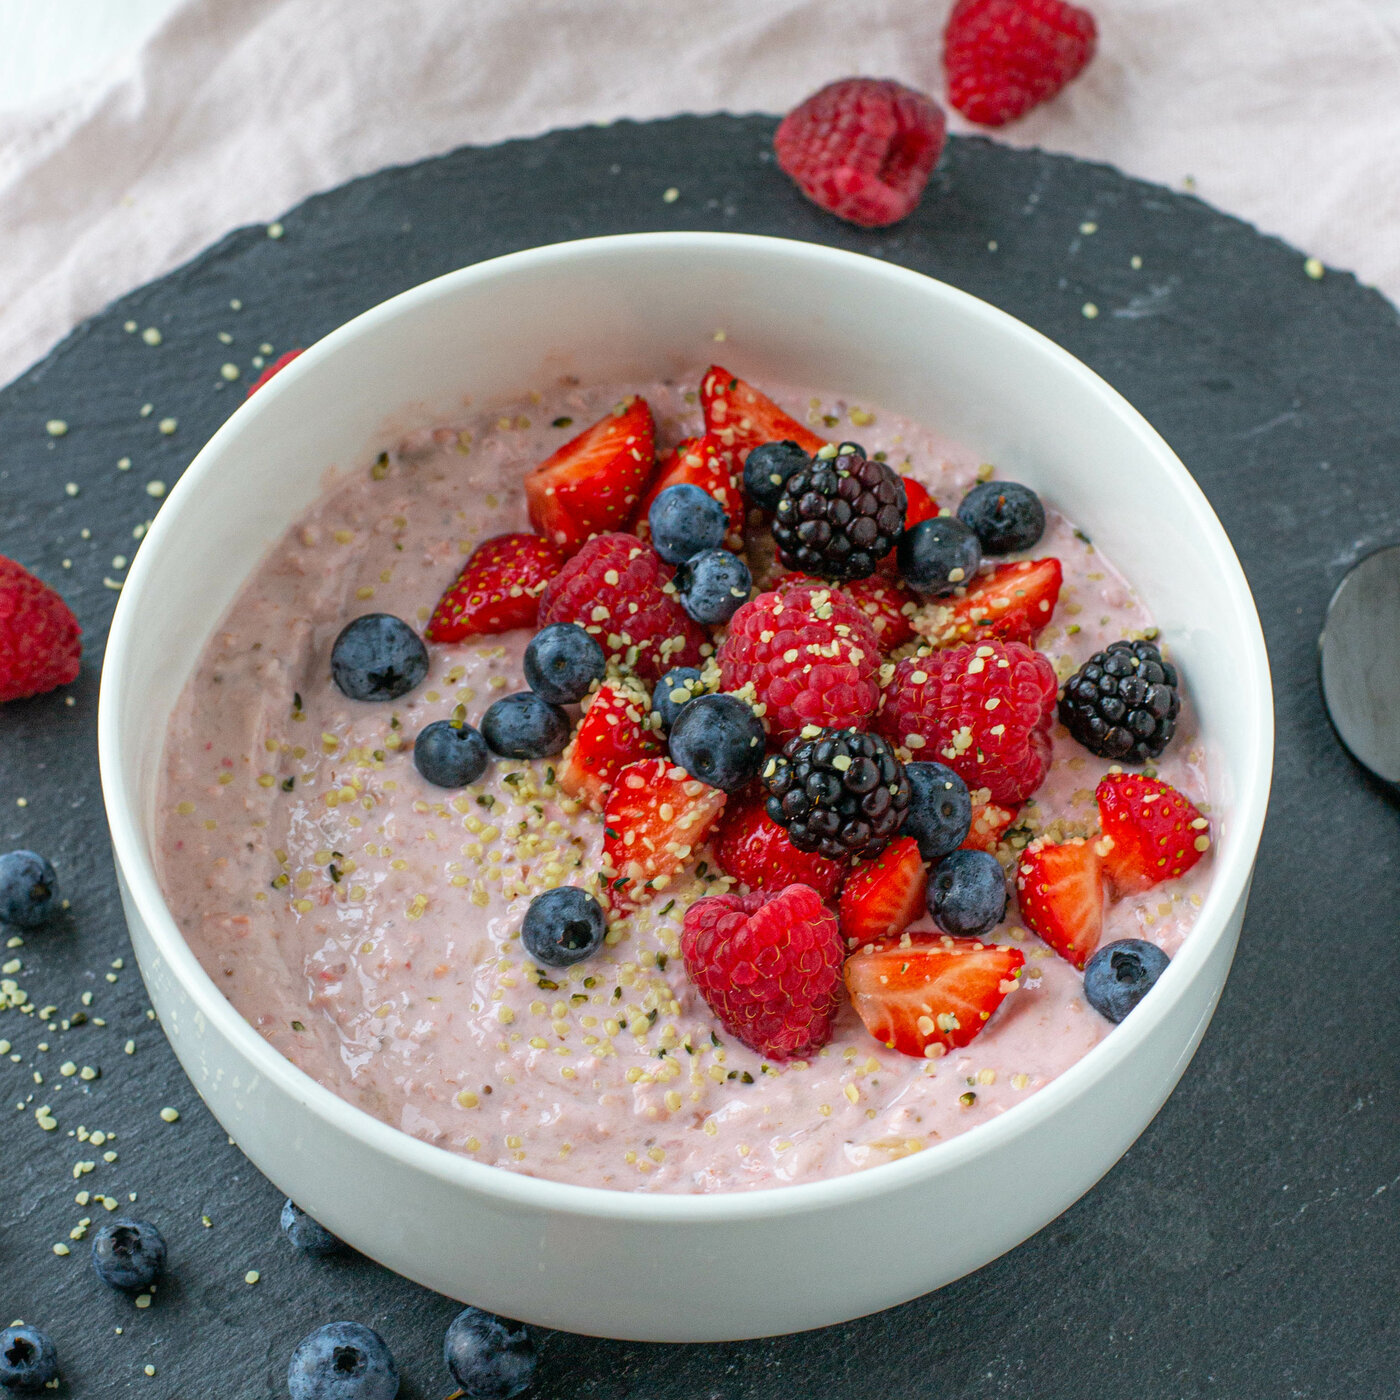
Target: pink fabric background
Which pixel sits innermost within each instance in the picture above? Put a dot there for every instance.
(1287, 115)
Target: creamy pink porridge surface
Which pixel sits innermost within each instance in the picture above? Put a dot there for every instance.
(367, 923)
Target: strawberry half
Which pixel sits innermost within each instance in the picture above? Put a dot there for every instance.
(656, 817)
(498, 589)
(758, 853)
(1156, 833)
(881, 899)
(612, 733)
(741, 418)
(1012, 602)
(990, 823)
(1060, 889)
(919, 505)
(704, 462)
(924, 994)
(593, 483)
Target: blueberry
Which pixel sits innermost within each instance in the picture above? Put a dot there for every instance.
(685, 682)
(767, 467)
(342, 1361)
(563, 926)
(1006, 516)
(450, 755)
(1120, 974)
(940, 809)
(490, 1357)
(936, 556)
(127, 1254)
(684, 520)
(713, 585)
(718, 739)
(28, 888)
(306, 1234)
(28, 1358)
(378, 657)
(524, 726)
(562, 661)
(967, 892)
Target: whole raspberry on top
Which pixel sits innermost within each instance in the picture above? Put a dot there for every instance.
(810, 656)
(613, 588)
(984, 710)
(40, 645)
(862, 148)
(1004, 57)
(768, 966)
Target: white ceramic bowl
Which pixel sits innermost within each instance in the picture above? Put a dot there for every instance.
(669, 1267)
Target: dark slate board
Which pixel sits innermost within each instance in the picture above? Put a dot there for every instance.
(1246, 1247)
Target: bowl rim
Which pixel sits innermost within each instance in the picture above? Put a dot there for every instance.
(517, 1190)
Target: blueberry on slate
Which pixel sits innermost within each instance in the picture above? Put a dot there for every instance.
(936, 556)
(450, 755)
(713, 585)
(767, 467)
(342, 1361)
(378, 657)
(524, 726)
(1120, 974)
(967, 892)
(562, 661)
(1006, 516)
(684, 520)
(490, 1357)
(306, 1234)
(940, 809)
(28, 1358)
(684, 682)
(28, 889)
(718, 739)
(127, 1254)
(563, 926)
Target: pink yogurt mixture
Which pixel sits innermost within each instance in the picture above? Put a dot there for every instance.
(367, 923)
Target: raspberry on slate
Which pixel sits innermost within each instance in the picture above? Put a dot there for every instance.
(1004, 57)
(739, 418)
(839, 516)
(615, 588)
(40, 640)
(809, 654)
(985, 711)
(1156, 834)
(1122, 703)
(838, 791)
(862, 148)
(279, 364)
(759, 854)
(768, 966)
(498, 589)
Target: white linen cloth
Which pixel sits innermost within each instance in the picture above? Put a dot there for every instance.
(234, 110)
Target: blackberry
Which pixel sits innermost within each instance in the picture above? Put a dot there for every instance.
(1122, 702)
(839, 792)
(839, 516)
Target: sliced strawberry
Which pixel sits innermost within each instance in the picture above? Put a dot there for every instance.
(612, 733)
(1012, 602)
(741, 418)
(924, 994)
(593, 483)
(919, 506)
(1060, 889)
(1156, 833)
(656, 818)
(881, 899)
(757, 852)
(889, 605)
(990, 823)
(498, 589)
(707, 463)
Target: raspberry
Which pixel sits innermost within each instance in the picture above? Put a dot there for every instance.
(39, 636)
(1004, 57)
(768, 966)
(862, 148)
(613, 588)
(810, 656)
(984, 710)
